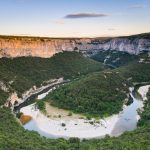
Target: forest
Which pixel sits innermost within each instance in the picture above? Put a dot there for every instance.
(100, 94)
(90, 76)
(20, 74)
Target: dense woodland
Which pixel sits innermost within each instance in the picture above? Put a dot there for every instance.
(3, 97)
(20, 74)
(101, 94)
(114, 58)
(14, 137)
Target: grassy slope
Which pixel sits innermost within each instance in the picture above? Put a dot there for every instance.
(28, 71)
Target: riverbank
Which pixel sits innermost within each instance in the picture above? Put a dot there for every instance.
(29, 97)
(68, 127)
(143, 91)
(57, 114)
(74, 126)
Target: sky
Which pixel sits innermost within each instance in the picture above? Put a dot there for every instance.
(74, 18)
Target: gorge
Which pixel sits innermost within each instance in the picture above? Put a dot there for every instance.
(84, 86)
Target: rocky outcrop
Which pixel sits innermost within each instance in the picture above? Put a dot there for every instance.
(14, 100)
(47, 47)
(124, 44)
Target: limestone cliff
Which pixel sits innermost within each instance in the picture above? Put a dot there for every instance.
(47, 47)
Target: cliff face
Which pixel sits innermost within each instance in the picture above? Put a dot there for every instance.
(124, 44)
(46, 47)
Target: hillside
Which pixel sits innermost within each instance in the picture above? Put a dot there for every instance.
(100, 94)
(137, 71)
(20, 74)
(104, 92)
(132, 67)
(115, 58)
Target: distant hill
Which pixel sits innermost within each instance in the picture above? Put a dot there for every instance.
(140, 36)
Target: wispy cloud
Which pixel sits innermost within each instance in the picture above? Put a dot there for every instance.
(137, 6)
(85, 15)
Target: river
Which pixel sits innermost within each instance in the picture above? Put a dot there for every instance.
(114, 125)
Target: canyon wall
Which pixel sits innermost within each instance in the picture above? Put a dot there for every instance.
(47, 47)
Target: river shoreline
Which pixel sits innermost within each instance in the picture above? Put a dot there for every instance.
(114, 125)
(31, 99)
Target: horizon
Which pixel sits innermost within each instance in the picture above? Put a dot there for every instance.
(30, 36)
(74, 19)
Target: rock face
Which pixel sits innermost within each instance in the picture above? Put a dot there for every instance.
(47, 47)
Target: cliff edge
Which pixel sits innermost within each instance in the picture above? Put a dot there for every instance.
(11, 46)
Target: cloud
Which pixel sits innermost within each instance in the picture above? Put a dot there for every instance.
(85, 15)
(137, 6)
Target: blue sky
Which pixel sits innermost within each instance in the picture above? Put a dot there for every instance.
(74, 18)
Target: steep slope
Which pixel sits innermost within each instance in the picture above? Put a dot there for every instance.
(46, 47)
